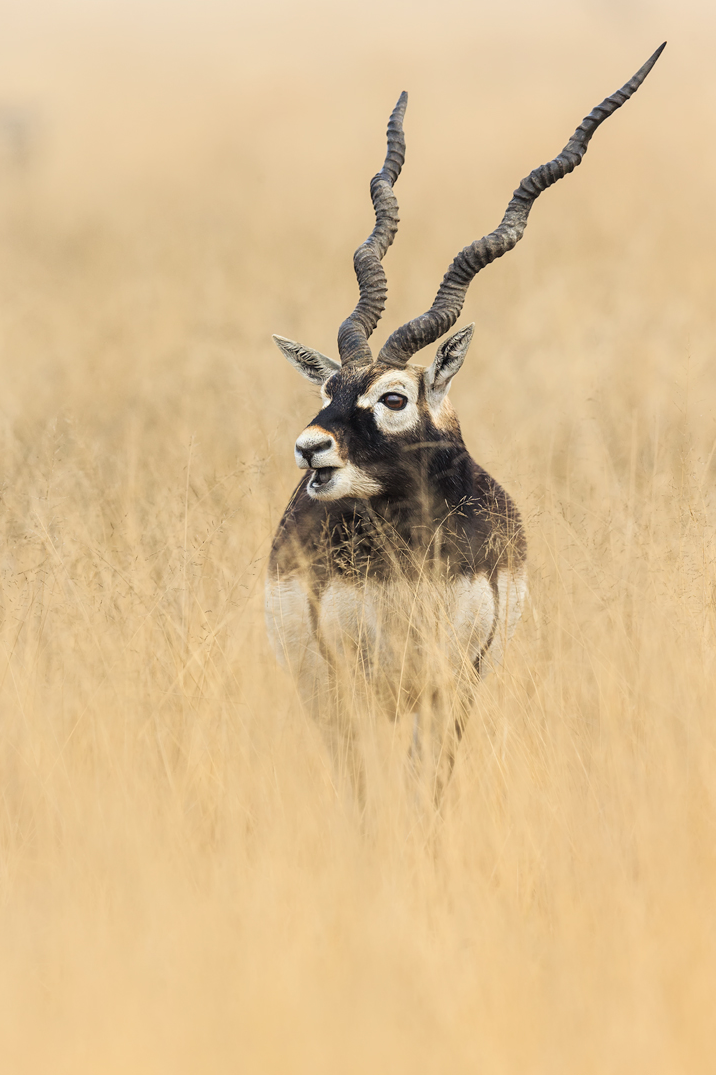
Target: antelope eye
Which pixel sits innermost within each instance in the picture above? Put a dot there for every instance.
(393, 401)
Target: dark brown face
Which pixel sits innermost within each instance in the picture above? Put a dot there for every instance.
(364, 440)
(381, 427)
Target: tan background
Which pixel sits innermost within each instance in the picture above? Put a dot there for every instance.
(180, 890)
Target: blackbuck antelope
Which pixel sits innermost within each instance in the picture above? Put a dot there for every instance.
(399, 564)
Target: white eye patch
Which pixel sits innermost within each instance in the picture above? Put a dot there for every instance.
(387, 420)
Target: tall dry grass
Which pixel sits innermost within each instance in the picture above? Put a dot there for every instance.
(181, 890)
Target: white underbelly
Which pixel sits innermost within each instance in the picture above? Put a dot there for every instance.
(393, 633)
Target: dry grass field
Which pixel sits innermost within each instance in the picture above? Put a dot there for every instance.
(181, 890)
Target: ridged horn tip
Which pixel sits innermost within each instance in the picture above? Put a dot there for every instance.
(448, 303)
(646, 68)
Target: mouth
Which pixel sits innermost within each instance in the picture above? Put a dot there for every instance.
(322, 476)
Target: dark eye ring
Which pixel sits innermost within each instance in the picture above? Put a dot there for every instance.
(393, 401)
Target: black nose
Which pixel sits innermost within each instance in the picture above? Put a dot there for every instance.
(307, 453)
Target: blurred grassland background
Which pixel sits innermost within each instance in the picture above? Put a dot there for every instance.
(180, 889)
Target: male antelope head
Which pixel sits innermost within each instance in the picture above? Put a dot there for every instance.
(377, 421)
(380, 415)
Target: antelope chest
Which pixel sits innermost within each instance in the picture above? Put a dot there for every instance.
(393, 632)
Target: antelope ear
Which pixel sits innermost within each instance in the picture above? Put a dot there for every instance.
(312, 364)
(448, 360)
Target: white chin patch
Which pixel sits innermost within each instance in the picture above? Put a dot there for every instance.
(345, 481)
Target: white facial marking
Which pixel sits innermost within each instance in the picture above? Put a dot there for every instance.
(346, 480)
(388, 421)
(316, 448)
